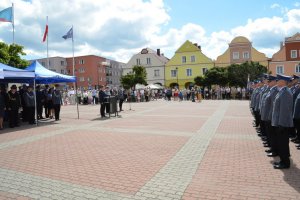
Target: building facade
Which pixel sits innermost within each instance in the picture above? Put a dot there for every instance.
(287, 59)
(187, 63)
(240, 50)
(154, 63)
(56, 64)
(113, 72)
(89, 71)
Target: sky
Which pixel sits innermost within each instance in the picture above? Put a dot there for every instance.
(119, 29)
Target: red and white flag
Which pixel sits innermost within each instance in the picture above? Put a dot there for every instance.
(45, 33)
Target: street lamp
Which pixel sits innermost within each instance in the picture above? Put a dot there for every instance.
(177, 77)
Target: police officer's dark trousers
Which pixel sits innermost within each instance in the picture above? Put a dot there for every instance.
(30, 114)
(13, 118)
(282, 141)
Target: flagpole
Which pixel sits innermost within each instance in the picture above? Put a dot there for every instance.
(13, 22)
(75, 84)
(47, 44)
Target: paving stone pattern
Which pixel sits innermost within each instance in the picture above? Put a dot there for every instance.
(156, 150)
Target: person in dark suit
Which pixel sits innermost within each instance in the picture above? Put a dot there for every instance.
(29, 100)
(2, 106)
(40, 100)
(102, 96)
(282, 120)
(13, 105)
(57, 101)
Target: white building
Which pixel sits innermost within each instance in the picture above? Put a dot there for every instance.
(154, 63)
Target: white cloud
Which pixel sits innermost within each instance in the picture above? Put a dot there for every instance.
(119, 29)
(275, 5)
(297, 4)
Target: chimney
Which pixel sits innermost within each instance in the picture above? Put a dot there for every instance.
(281, 45)
(196, 44)
(158, 52)
(199, 47)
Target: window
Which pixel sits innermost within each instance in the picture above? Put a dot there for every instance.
(183, 59)
(138, 61)
(246, 55)
(62, 71)
(54, 70)
(173, 73)
(297, 70)
(293, 53)
(189, 72)
(81, 61)
(62, 63)
(100, 78)
(236, 55)
(81, 79)
(279, 69)
(156, 72)
(49, 63)
(81, 70)
(204, 70)
(193, 59)
(44, 64)
(148, 61)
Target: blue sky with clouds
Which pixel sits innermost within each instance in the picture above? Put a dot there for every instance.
(119, 29)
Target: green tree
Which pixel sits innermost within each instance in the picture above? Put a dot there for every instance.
(11, 55)
(127, 81)
(138, 75)
(238, 74)
(200, 81)
(216, 76)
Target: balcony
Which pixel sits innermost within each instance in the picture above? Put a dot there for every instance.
(106, 63)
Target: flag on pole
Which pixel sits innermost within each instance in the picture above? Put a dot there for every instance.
(6, 15)
(69, 34)
(45, 33)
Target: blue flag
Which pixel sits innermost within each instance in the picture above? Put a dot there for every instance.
(69, 34)
(6, 15)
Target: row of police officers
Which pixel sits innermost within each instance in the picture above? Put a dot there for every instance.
(275, 104)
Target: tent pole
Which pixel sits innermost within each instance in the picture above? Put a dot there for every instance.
(35, 107)
(76, 100)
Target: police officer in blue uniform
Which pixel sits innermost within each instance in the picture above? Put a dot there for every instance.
(282, 120)
(296, 116)
(267, 110)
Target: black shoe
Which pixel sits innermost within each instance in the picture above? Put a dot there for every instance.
(281, 166)
(260, 135)
(265, 142)
(268, 151)
(272, 154)
(298, 145)
(298, 148)
(297, 142)
(266, 145)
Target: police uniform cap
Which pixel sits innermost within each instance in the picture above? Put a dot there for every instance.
(283, 77)
(296, 76)
(271, 78)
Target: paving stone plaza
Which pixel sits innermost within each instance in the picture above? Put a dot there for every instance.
(157, 150)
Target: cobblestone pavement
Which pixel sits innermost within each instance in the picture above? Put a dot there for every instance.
(155, 150)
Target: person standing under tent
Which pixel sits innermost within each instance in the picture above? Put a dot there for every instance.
(57, 102)
(45, 92)
(30, 105)
(13, 105)
(2, 106)
(39, 102)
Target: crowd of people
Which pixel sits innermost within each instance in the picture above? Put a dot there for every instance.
(275, 104)
(199, 93)
(18, 105)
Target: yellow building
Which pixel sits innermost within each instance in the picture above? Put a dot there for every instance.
(239, 51)
(187, 63)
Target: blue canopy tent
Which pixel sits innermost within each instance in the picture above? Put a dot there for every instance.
(13, 75)
(45, 76)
